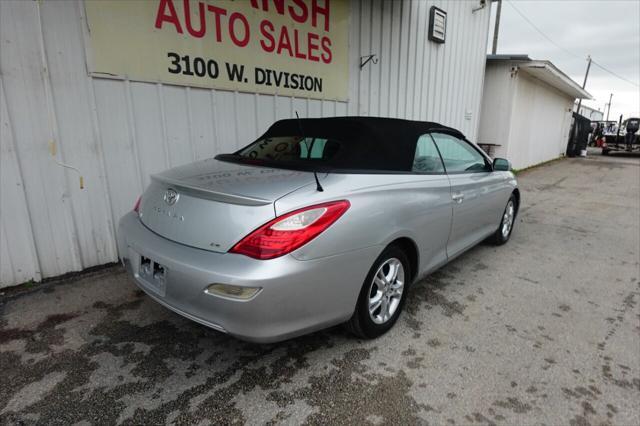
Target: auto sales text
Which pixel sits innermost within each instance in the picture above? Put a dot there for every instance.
(203, 19)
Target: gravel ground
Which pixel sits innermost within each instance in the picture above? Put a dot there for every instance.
(544, 330)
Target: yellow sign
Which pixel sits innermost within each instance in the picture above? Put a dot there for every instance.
(288, 47)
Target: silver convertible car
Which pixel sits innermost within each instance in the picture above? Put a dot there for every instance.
(318, 222)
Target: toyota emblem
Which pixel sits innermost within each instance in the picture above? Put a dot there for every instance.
(171, 196)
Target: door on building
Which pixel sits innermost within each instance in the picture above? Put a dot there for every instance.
(475, 191)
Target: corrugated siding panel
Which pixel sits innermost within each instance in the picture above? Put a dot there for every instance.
(149, 136)
(512, 107)
(45, 186)
(88, 213)
(120, 156)
(118, 133)
(416, 78)
(497, 107)
(18, 258)
(537, 102)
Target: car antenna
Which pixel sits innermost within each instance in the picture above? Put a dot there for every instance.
(315, 174)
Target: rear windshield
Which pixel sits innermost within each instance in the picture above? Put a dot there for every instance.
(292, 149)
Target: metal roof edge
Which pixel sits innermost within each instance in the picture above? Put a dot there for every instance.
(509, 57)
(557, 78)
(567, 85)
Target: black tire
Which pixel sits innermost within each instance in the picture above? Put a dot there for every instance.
(499, 238)
(361, 324)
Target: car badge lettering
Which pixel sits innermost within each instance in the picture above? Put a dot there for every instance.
(168, 213)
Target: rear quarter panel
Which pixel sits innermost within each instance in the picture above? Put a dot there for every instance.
(384, 207)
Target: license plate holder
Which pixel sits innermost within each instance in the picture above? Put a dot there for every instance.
(153, 275)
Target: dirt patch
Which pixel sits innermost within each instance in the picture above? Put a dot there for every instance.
(353, 391)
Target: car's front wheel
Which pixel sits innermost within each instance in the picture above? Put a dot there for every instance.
(383, 294)
(503, 233)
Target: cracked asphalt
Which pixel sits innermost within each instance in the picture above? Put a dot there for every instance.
(543, 330)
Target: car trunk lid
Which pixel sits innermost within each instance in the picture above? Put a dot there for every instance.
(213, 204)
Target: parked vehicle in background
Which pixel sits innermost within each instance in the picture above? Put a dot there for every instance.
(316, 223)
(625, 138)
(599, 130)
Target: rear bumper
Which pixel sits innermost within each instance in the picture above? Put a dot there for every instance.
(297, 297)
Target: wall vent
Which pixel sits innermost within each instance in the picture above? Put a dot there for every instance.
(437, 25)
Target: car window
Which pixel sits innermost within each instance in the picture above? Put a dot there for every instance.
(426, 158)
(312, 148)
(458, 155)
(292, 148)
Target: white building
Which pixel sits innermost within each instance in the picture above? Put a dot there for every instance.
(592, 114)
(527, 109)
(115, 91)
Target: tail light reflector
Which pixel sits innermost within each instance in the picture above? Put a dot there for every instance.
(136, 206)
(290, 231)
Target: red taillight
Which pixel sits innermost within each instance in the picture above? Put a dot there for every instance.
(136, 206)
(290, 231)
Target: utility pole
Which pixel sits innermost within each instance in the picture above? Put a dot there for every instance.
(496, 29)
(584, 84)
(609, 104)
(571, 149)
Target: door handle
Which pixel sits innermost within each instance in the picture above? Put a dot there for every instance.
(457, 198)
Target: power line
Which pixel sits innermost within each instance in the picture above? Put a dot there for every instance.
(614, 74)
(523, 16)
(542, 33)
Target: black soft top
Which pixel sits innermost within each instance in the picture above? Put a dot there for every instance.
(367, 143)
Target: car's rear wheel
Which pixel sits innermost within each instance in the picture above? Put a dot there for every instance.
(503, 233)
(382, 295)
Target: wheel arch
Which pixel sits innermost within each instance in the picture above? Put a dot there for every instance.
(410, 248)
(516, 192)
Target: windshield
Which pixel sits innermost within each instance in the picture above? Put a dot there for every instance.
(291, 149)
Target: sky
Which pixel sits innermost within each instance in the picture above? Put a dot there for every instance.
(608, 30)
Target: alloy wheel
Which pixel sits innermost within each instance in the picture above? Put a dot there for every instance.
(385, 291)
(507, 219)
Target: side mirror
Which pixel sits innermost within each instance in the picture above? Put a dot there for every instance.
(501, 165)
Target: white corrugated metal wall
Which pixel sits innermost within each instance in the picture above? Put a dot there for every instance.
(528, 118)
(540, 123)
(497, 106)
(118, 132)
